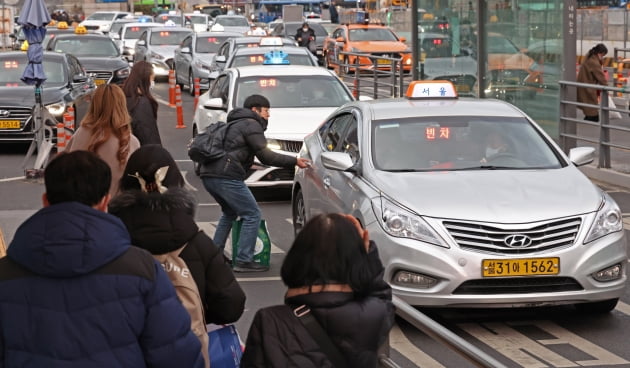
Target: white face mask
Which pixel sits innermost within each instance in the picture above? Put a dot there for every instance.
(491, 151)
(152, 85)
(305, 29)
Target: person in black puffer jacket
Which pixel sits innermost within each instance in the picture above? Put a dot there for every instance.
(160, 218)
(224, 178)
(334, 270)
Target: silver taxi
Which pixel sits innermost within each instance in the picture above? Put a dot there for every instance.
(471, 203)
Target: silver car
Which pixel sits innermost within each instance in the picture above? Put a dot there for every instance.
(471, 203)
(194, 55)
(157, 46)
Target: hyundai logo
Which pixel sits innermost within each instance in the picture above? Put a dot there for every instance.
(517, 241)
(5, 113)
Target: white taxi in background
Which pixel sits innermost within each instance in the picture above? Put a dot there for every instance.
(471, 203)
(301, 98)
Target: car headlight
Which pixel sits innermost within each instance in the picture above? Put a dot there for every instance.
(607, 220)
(274, 144)
(402, 223)
(122, 73)
(155, 55)
(57, 109)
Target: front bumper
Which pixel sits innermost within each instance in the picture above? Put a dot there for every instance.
(261, 175)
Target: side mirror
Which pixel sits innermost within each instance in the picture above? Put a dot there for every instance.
(582, 155)
(13, 36)
(340, 39)
(79, 78)
(339, 161)
(141, 43)
(214, 104)
(185, 50)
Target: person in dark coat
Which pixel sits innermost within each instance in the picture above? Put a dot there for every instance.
(141, 104)
(75, 293)
(160, 218)
(305, 35)
(225, 178)
(592, 72)
(334, 270)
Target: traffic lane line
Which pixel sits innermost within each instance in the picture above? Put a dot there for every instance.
(399, 342)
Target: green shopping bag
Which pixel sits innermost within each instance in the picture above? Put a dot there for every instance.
(262, 250)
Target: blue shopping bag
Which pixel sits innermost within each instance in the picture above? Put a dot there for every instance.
(226, 348)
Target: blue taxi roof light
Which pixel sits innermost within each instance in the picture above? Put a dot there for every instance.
(433, 89)
(276, 57)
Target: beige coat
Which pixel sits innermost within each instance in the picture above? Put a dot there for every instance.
(591, 72)
(107, 152)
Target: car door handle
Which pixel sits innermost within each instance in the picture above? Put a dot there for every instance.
(326, 182)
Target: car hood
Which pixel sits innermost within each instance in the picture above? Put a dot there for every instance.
(103, 63)
(235, 29)
(380, 46)
(286, 124)
(164, 50)
(509, 61)
(434, 67)
(25, 95)
(95, 22)
(505, 196)
(131, 42)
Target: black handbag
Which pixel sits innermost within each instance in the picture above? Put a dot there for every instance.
(303, 313)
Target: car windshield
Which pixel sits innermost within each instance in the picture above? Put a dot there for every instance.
(101, 16)
(259, 59)
(133, 33)
(459, 143)
(372, 34)
(291, 29)
(168, 37)
(232, 21)
(12, 67)
(294, 91)
(196, 19)
(78, 46)
(206, 45)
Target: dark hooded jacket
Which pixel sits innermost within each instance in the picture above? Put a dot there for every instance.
(244, 139)
(143, 120)
(75, 293)
(161, 223)
(357, 325)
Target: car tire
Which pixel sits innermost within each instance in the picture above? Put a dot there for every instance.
(346, 67)
(191, 83)
(299, 212)
(601, 307)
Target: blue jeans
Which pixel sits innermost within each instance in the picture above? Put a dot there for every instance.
(236, 200)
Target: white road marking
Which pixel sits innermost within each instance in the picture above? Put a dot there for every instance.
(163, 102)
(623, 308)
(209, 228)
(400, 342)
(289, 220)
(12, 179)
(254, 279)
(531, 353)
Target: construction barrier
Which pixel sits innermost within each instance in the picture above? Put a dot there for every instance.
(619, 80)
(197, 91)
(171, 88)
(68, 122)
(61, 137)
(180, 110)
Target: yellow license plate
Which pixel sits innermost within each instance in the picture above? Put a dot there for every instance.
(98, 82)
(9, 124)
(384, 61)
(520, 267)
(462, 88)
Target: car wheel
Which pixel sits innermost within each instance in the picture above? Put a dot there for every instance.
(346, 66)
(299, 212)
(601, 307)
(191, 83)
(196, 166)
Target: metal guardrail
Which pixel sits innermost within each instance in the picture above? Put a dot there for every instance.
(570, 127)
(371, 75)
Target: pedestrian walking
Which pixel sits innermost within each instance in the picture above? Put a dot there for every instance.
(141, 104)
(106, 131)
(305, 35)
(159, 214)
(74, 292)
(592, 72)
(334, 274)
(224, 179)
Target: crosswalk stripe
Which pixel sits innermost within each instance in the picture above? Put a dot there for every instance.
(400, 342)
(623, 308)
(209, 228)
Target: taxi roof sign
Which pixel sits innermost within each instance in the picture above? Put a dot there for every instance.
(276, 57)
(270, 41)
(434, 89)
(62, 25)
(80, 30)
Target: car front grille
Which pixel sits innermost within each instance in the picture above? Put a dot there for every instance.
(512, 240)
(101, 76)
(280, 174)
(290, 146)
(22, 114)
(517, 285)
(92, 28)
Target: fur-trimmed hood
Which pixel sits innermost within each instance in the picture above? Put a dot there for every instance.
(157, 222)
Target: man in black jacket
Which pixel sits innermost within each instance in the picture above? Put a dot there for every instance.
(225, 178)
(305, 35)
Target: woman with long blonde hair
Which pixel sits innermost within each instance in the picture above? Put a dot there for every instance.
(106, 131)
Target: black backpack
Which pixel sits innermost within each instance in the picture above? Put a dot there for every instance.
(208, 145)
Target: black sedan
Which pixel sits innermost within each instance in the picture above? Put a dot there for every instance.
(67, 84)
(99, 55)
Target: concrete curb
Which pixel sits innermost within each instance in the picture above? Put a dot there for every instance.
(607, 176)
